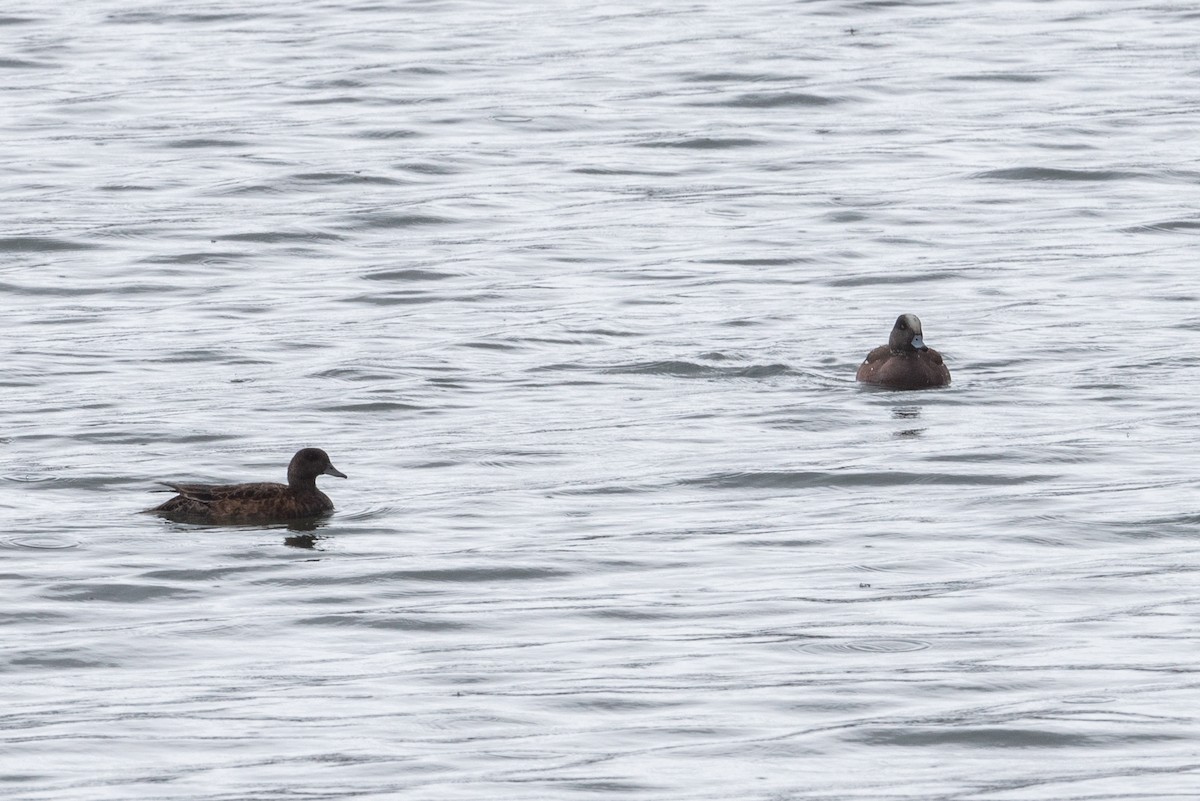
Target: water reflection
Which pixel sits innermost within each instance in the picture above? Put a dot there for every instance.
(907, 413)
(303, 532)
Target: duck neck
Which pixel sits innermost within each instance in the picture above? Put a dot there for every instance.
(299, 481)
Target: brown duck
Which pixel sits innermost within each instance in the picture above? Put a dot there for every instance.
(259, 502)
(905, 362)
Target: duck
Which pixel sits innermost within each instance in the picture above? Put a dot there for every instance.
(905, 362)
(257, 502)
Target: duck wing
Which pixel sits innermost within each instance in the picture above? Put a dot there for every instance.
(215, 493)
(877, 355)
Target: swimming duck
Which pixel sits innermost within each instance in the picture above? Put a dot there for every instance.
(905, 362)
(259, 502)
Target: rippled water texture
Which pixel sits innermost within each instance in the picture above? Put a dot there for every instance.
(575, 293)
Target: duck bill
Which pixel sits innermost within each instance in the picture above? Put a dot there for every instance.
(333, 471)
(918, 343)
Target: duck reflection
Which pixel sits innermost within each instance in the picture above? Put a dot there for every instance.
(306, 541)
(907, 413)
(304, 532)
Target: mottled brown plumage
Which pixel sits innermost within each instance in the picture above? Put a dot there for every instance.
(259, 502)
(905, 362)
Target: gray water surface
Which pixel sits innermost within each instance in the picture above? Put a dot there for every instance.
(575, 293)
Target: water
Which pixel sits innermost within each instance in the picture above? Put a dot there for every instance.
(575, 296)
